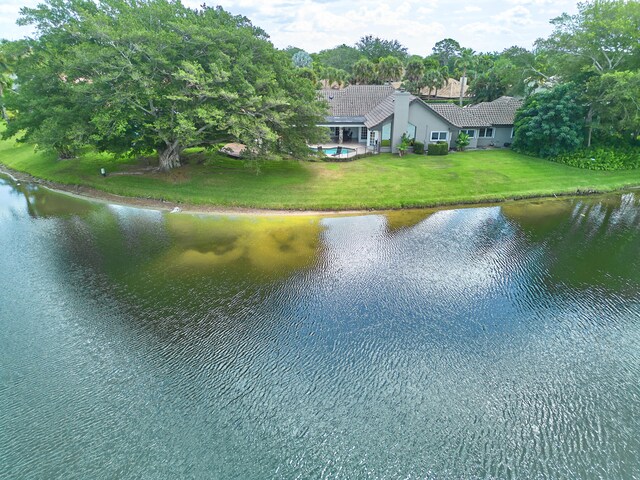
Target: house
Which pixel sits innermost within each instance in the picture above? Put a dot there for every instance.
(450, 90)
(378, 115)
(500, 114)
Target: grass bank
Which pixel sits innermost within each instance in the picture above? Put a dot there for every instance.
(379, 182)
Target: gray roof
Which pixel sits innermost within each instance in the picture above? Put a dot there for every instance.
(379, 113)
(368, 104)
(501, 111)
(458, 117)
(373, 104)
(355, 100)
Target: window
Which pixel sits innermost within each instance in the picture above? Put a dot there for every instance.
(512, 132)
(411, 131)
(363, 133)
(471, 133)
(485, 133)
(386, 131)
(435, 136)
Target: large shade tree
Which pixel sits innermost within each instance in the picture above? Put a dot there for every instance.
(375, 48)
(152, 75)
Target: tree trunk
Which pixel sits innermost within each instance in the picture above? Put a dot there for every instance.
(5, 117)
(463, 80)
(589, 125)
(169, 157)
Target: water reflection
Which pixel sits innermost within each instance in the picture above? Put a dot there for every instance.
(493, 342)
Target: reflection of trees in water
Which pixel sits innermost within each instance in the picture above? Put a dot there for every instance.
(591, 241)
(168, 270)
(43, 203)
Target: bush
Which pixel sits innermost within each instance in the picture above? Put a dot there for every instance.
(440, 148)
(462, 141)
(602, 158)
(418, 147)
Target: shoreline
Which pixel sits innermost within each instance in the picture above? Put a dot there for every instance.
(96, 195)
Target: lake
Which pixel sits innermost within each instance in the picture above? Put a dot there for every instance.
(492, 342)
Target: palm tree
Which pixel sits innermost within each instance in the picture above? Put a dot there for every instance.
(414, 75)
(465, 61)
(390, 69)
(364, 72)
(435, 78)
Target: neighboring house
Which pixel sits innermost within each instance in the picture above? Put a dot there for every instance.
(378, 116)
(450, 91)
(500, 114)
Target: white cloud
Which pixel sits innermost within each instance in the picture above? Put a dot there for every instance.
(518, 15)
(469, 9)
(486, 28)
(418, 24)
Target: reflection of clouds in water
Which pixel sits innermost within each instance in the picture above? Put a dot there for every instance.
(17, 197)
(472, 257)
(266, 244)
(12, 202)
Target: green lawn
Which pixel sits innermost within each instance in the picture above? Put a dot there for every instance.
(382, 181)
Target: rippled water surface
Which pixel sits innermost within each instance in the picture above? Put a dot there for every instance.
(495, 342)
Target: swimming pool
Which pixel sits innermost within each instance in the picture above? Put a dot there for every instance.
(334, 150)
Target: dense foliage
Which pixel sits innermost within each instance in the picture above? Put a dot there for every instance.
(153, 75)
(602, 158)
(550, 122)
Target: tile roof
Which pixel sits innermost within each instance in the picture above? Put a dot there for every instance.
(501, 111)
(450, 90)
(458, 117)
(379, 113)
(373, 104)
(355, 100)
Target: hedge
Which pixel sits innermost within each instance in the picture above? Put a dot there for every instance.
(440, 148)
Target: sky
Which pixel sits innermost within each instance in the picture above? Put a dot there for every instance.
(483, 25)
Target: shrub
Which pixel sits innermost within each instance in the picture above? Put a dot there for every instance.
(440, 148)
(404, 144)
(602, 158)
(462, 141)
(418, 147)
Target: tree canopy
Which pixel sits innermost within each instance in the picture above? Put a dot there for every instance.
(375, 48)
(550, 122)
(152, 75)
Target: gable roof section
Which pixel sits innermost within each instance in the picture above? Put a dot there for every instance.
(456, 116)
(501, 111)
(379, 113)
